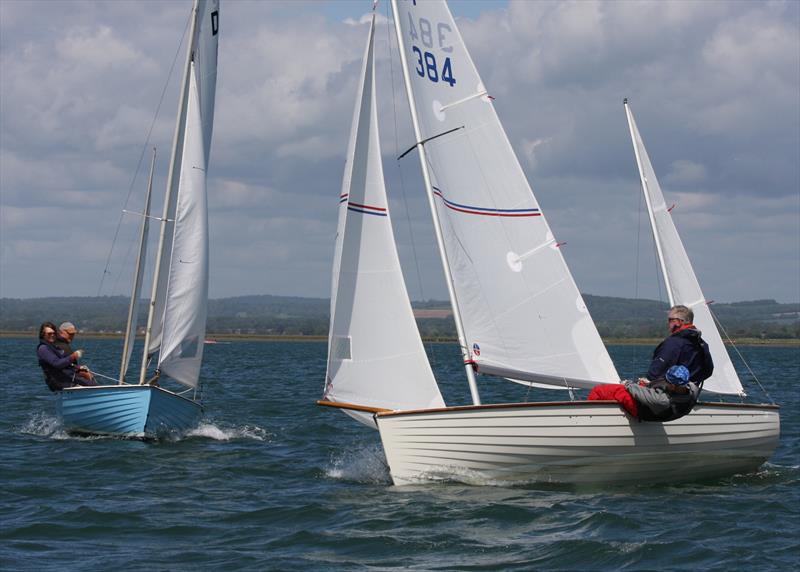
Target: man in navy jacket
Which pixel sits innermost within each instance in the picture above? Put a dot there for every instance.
(684, 346)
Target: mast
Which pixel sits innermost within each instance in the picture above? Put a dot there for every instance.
(656, 237)
(172, 183)
(130, 328)
(462, 340)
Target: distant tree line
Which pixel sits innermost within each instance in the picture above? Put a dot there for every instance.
(620, 318)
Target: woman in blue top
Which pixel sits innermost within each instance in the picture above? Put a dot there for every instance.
(58, 366)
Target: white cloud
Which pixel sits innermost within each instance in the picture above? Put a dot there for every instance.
(714, 86)
(684, 171)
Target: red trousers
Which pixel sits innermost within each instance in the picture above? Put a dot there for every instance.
(615, 392)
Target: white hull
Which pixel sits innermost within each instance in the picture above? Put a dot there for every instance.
(575, 442)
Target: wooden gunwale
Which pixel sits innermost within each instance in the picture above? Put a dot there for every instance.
(352, 406)
(545, 404)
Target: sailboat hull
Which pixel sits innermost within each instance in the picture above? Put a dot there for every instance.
(132, 411)
(575, 442)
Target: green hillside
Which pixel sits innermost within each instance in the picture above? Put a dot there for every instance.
(286, 315)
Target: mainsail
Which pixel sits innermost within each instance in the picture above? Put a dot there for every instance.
(177, 319)
(203, 58)
(679, 277)
(184, 323)
(375, 354)
(523, 315)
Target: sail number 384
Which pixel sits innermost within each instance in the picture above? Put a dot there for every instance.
(427, 65)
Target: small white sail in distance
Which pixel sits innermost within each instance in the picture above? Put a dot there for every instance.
(679, 277)
(375, 354)
(523, 315)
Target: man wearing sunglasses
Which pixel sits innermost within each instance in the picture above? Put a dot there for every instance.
(683, 346)
(681, 363)
(64, 338)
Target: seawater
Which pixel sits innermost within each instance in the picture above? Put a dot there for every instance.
(270, 481)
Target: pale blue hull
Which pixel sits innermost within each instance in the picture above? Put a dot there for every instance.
(140, 411)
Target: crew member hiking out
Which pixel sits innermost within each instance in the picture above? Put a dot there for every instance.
(680, 365)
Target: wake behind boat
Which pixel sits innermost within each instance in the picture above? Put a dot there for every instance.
(168, 400)
(518, 312)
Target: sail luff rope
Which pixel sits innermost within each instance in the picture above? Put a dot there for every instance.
(139, 162)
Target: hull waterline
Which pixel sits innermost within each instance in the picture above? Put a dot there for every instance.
(576, 443)
(132, 411)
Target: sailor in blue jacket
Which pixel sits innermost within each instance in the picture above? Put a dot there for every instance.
(684, 346)
(58, 366)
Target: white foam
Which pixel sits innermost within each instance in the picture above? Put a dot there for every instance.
(44, 425)
(365, 464)
(211, 431)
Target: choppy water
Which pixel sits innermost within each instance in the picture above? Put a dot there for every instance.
(270, 481)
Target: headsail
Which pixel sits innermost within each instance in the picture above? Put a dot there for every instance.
(682, 285)
(375, 354)
(523, 315)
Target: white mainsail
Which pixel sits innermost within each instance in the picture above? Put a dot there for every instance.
(184, 325)
(523, 315)
(682, 285)
(375, 354)
(202, 52)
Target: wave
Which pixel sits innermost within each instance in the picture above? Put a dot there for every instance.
(364, 464)
(50, 426)
(207, 430)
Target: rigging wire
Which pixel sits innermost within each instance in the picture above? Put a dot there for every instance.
(741, 357)
(431, 353)
(396, 148)
(635, 353)
(141, 158)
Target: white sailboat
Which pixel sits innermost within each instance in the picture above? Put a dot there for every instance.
(518, 313)
(177, 313)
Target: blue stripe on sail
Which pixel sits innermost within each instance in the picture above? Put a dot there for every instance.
(485, 211)
(363, 211)
(366, 209)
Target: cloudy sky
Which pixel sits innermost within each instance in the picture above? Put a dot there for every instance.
(714, 86)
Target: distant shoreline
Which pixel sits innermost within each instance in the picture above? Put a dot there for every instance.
(212, 338)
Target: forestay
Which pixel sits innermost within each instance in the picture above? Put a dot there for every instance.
(523, 315)
(133, 307)
(375, 354)
(679, 276)
(203, 54)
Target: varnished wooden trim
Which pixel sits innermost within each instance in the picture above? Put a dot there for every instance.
(352, 406)
(546, 404)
